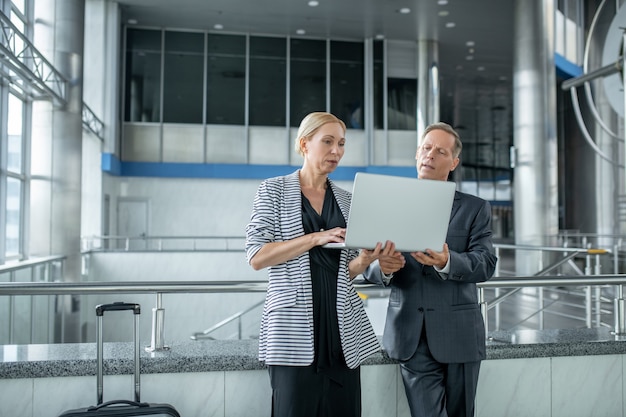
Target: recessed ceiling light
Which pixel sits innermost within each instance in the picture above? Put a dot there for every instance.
(450, 24)
(380, 36)
(470, 43)
(469, 57)
(480, 69)
(404, 10)
(132, 21)
(471, 50)
(301, 31)
(443, 13)
(313, 3)
(218, 26)
(442, 2)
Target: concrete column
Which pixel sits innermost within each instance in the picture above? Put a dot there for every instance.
(607, 174)
(57, 149)
(427, 85)
(534, 131)
(100, 92)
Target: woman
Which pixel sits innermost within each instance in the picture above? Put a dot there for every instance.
(314, 331)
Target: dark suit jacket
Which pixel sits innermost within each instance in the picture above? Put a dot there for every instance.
(449, 308)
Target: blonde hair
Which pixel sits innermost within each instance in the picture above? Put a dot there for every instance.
(310, 125)
(458, 146)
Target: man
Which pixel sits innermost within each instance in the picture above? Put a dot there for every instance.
(434, 327)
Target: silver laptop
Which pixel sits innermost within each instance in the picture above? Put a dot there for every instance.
(412, 213)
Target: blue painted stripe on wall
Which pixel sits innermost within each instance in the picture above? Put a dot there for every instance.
(566, 69)
(112, 165)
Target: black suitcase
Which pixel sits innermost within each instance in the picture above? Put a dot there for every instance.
(120, 408)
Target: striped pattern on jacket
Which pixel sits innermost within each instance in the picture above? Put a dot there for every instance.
(286, 334)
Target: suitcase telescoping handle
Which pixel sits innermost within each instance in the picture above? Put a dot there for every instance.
(118, 306)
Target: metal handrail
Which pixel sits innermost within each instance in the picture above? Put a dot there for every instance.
(29, 263)
(155, 287)
(205, 334)
(128, 287)
(227, 243)
(160, 287)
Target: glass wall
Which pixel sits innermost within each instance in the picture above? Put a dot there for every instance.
(379, 85)
(268, 81)
(346, 82)
(143, 76)
(228, 79)
(307, 78)
(14, 143)
(183, 76)
(402, 104)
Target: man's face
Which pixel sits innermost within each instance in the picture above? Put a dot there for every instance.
(435, 158)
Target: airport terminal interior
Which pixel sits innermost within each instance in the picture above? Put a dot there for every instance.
(134, 135)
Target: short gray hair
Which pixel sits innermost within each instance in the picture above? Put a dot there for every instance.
(458, 145)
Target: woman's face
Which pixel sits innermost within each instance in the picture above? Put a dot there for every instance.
(325, 148)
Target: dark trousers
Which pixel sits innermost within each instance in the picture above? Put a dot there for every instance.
(436, 389)
(301, 391)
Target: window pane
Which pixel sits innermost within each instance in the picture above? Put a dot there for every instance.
(183, 76)
(268, 81)
(143, 76)
(15, 117)
(226, 79)
(402, 104)
(307, 78)
(13, 213)
(346, 82)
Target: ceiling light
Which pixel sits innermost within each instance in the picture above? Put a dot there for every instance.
(469, 57)
(313, 3)
(132, 21)
(380, 36)
(443, 13)
(450, 24)
(404, 10)
(218, 26)
(471, 50)
(300, 31)
(470, 43)
(442, 2)
(480, 69)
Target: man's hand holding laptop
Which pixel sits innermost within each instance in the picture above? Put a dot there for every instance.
(392, 262)
(367, 256)
(389, 259)
(432, 258)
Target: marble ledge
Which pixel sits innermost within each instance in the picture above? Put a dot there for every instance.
(79, 359)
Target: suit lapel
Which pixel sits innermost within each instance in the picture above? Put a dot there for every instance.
(456, 204)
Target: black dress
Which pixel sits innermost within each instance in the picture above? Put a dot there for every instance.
(327, 387)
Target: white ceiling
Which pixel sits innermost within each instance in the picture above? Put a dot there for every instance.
(467, 85)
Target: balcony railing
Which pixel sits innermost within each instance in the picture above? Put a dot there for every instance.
(159, 288)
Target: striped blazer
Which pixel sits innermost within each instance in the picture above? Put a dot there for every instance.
(286, 334)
